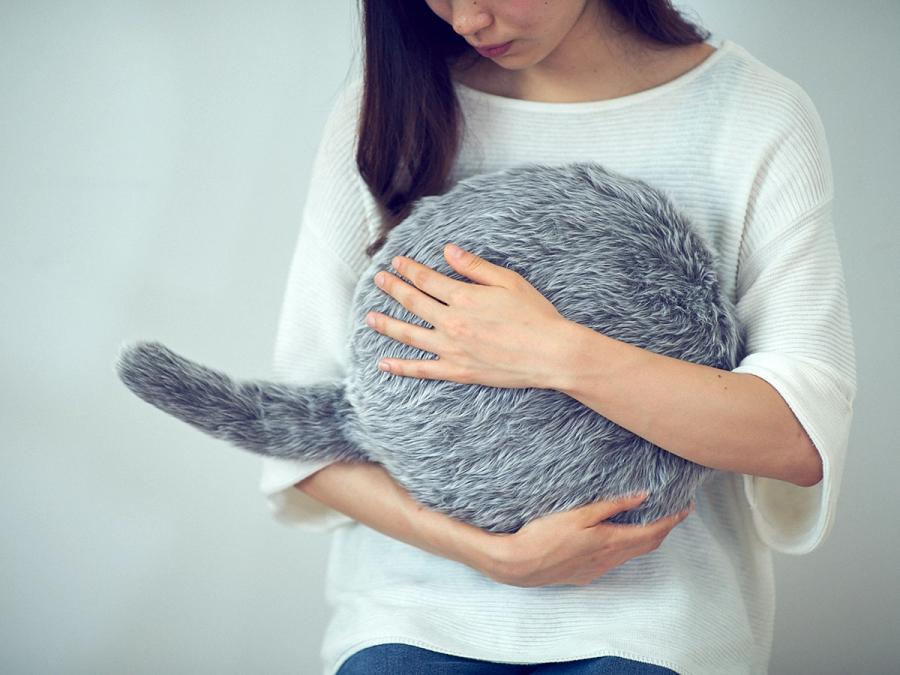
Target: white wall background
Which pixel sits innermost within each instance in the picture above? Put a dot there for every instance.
(153, 165)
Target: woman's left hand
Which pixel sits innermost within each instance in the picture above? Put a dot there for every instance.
(499, 332)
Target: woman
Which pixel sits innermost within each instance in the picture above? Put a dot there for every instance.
(633, 86)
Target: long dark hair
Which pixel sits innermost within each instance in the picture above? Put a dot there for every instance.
(410, 125)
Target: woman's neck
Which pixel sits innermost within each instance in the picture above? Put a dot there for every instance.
(632, 66)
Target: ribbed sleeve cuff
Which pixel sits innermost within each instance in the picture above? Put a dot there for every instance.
(292, 507)
(790, 518)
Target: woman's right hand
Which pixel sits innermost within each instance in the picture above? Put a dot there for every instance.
(575, 546)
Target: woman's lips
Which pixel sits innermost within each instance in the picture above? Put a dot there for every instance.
(497, 50)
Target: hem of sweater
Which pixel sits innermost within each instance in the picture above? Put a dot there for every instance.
(680, 666)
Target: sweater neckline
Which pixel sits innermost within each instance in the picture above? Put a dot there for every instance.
(724, 46)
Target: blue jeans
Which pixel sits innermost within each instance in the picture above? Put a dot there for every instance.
(401, 659)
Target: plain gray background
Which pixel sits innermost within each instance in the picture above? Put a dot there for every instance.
(154, 158)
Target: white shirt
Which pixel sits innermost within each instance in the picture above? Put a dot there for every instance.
(742, 150)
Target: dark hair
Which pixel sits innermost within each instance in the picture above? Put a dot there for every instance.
(410, 125)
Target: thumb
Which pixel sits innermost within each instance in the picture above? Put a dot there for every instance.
(475, 267)
(599, 511)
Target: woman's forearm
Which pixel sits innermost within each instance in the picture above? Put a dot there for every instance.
(367, 493)
(714, 417)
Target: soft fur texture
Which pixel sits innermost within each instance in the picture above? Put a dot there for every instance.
(609, 252)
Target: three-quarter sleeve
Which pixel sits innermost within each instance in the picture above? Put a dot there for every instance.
(313, 326)
(793, 311)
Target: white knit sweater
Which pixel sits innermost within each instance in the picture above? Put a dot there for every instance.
(742, 150)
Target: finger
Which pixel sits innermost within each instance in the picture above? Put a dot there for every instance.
(417, 302)
(430, 281)
(431, 369)
(660, 529)
(407, 333)
(599, 511)
(478, 269)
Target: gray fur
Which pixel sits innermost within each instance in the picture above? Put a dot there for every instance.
(610, 252)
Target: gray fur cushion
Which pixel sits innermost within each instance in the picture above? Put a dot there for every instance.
(609, 252)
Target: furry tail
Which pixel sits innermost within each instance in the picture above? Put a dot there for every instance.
(267, 418)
